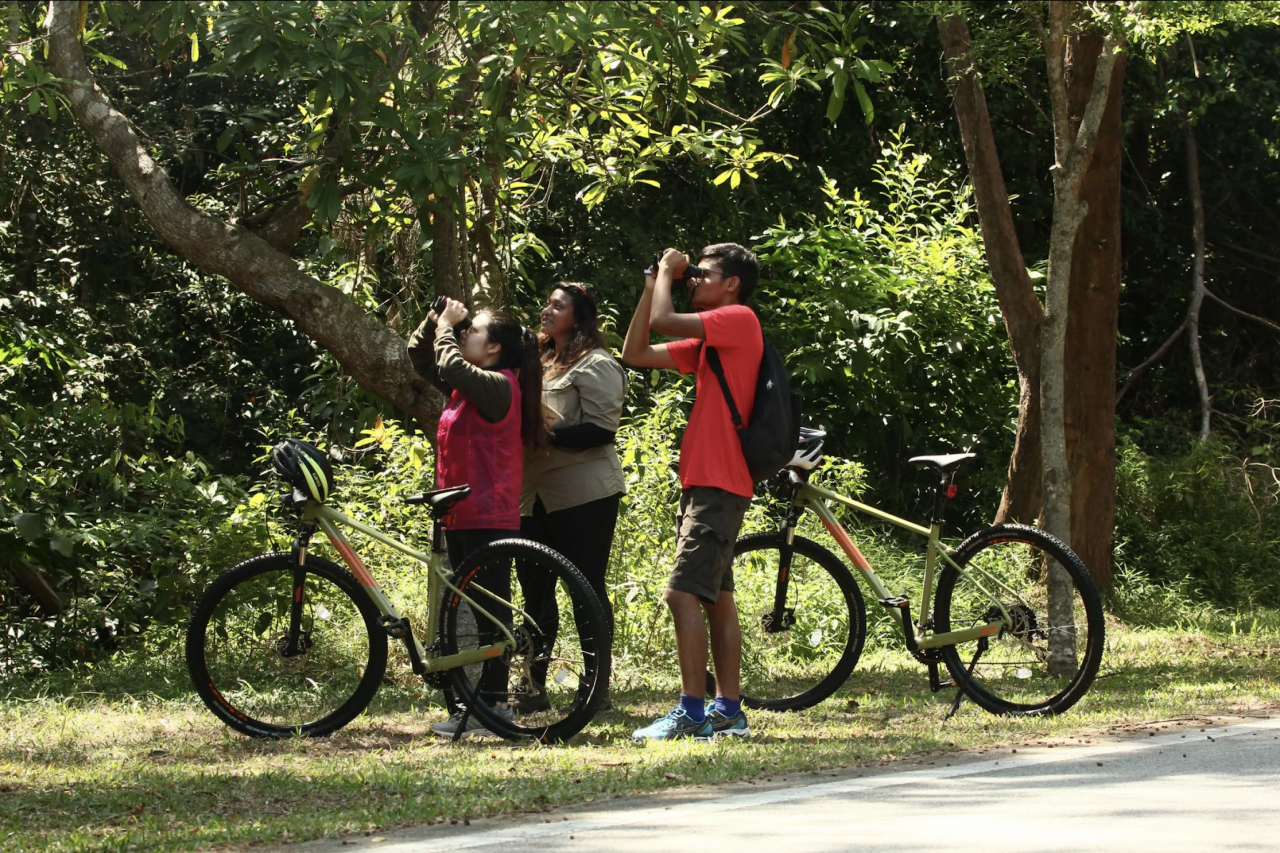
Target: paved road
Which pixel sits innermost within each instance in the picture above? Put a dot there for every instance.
(1186, 789)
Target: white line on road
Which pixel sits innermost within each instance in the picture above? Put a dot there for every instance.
(530, 832)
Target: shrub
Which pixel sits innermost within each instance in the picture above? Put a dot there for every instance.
(1197, 526)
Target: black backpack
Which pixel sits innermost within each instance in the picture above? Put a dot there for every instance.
(769, 442)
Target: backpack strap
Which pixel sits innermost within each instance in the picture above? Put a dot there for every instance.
(713, 359)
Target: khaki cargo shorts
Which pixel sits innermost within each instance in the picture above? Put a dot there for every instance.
(707, 525)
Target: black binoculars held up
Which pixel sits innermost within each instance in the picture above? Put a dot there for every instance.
(438, 305)
(691, 271)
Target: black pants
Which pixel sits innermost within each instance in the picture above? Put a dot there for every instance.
(496, 578)
(584, 535)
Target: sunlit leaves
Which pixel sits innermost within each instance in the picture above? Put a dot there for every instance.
(886, 311)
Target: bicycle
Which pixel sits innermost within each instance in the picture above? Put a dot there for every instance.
(992, 623)
(289, 644)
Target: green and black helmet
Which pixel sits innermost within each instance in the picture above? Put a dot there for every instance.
(304, 467)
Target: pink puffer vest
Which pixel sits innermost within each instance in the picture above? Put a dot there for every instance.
(488, 457)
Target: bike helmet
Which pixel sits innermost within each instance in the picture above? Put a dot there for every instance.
(809, 452)
(304, 467)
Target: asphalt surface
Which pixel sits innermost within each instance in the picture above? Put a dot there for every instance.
(1174, 786)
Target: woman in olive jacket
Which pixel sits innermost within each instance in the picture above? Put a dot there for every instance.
(571, 491)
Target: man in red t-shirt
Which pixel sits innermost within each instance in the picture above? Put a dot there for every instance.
(715, 485)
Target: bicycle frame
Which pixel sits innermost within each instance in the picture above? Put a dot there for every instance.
(918, 636)
(426, 659)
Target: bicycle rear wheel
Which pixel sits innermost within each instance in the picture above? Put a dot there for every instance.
(558, 674)
(264, 677)
(1047, 654)
(797, 662)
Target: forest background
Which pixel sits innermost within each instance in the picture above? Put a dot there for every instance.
(349, 161)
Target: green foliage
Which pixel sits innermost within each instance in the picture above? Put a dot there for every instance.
(136, 393)
(888, 318)
(1202, 525)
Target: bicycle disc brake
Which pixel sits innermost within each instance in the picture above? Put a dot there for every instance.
(1023, 625)
(777, 626)
(287, 650)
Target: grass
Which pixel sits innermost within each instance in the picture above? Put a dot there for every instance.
(128, 760)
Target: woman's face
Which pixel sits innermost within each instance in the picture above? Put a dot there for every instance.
(557, 315)
(475, 345)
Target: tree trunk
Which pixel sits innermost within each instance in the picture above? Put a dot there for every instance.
(1197, 275)
(1093, 316)
(372, 354)
(1075, 137)
(445, 264)
(491, 279)
(1019, 305)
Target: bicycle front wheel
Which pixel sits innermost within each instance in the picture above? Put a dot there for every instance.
(557, 675)
(268, 668)
(796, 658)
(1047, 653)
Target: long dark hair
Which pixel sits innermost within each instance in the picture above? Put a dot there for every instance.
(586, 331)
(519, 352)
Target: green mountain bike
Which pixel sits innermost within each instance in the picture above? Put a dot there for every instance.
(1016, 618)
(290, 644)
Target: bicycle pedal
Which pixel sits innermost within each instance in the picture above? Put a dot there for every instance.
(897, 601)
(396, 628)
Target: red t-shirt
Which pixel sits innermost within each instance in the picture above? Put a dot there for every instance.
(711, 454)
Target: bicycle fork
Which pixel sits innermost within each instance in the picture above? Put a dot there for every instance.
(782, 618)
(298, 641)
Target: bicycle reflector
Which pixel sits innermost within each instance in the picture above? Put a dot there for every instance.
(304, 467)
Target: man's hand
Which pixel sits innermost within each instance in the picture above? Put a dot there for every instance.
(674, 261)
(663, 318)
(454, 312)
(636, 349)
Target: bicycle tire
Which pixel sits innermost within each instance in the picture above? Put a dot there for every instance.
(1023, 679)
(800, 666)
(561, 663)
(241, 672)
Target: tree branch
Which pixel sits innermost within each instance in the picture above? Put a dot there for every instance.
(1055, 51)
(366, 349)
(1082, 148)
(1136, 374)
(1233, 309)
(1260, 255)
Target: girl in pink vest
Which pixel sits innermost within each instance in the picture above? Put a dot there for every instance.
(492, 373)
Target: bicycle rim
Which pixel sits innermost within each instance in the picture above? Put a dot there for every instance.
(557, 675)
(239, 658)
(805, 662)
(1045, 657)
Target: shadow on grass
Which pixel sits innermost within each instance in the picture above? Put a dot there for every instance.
(132, 758)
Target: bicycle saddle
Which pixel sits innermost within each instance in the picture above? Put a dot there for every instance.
(945, 463)
(441, 500)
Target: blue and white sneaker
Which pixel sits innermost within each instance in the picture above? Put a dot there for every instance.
(676, 724)
(725, 726)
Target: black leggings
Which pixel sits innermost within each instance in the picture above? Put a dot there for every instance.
(497, 580)
(584, 535)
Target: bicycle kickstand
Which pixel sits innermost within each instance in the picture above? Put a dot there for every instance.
(955, 705)
(462, 724)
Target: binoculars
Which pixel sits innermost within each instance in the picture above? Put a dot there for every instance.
(691, 271)
(438, 305)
